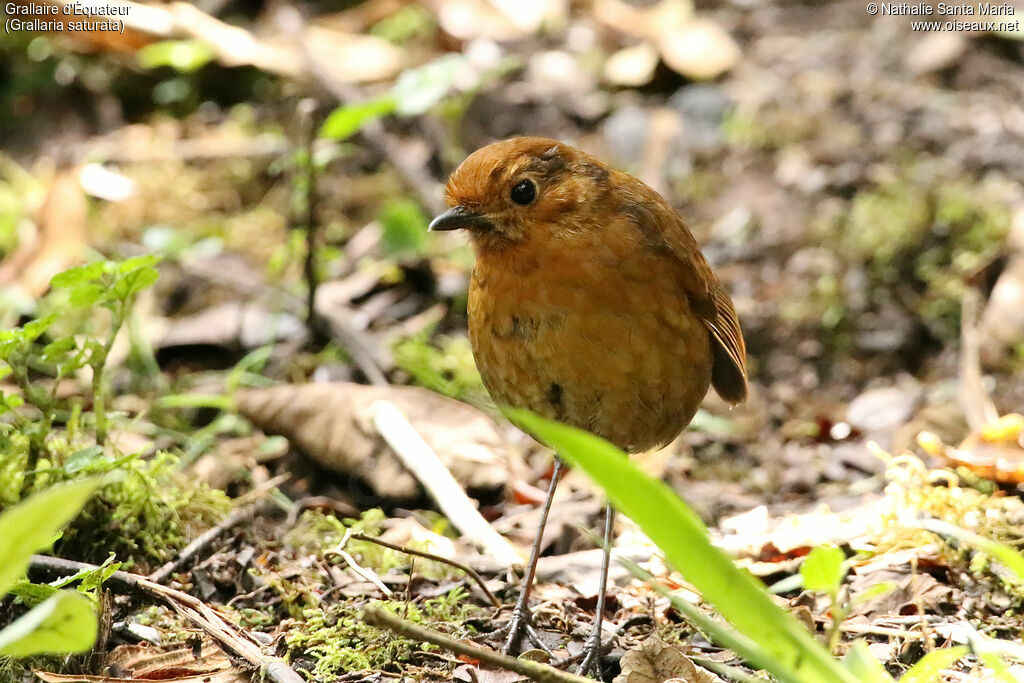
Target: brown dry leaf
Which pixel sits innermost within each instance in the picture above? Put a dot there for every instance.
(899, 589)
(333, 424)
(145, 662)
(655, 661)
(61, 239)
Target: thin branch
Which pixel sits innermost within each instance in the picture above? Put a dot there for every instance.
(205, 617)
(237, 516)
(362, 572)
(535, 671)
(420, 459)
(436, 558)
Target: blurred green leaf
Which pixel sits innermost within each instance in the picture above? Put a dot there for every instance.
(64, 623)
(822, 570)
(78, 275)
(417, 90)
(33, 525)
(929, 668)
(794, 653)
(403, 227)
(348, 119)
(184, 56)
(862, 664)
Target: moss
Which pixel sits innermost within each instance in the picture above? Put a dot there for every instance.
(146, 515)
(915, 490)
(884, 221)
(334, 640)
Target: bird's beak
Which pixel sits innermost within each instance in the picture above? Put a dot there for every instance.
(458, 217)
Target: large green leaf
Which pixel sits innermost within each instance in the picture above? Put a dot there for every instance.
(33, 525)
(679, 533)
(64, 623)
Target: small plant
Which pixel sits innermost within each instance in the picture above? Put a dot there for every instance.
(65, 621)
(762, 634)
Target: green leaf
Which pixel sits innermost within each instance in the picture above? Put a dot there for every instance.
(794, 653)
(31, 594)
(78, 275)
(822, 570)
(348, 119)
(65, 623)
(184, 56)
(83, 459)
(33, 524)
(862, 664)
(144, 262)
(929, 668)
(403, 227)
(134, 281)
(417, 90)
(86, 294)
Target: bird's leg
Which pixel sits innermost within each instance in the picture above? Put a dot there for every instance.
(519, 623)
(592, 648)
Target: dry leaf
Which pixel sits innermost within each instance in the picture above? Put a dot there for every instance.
(333, 424)
(61, 238)
(655, 661)
(145, 662)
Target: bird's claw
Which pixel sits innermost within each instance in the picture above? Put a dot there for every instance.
(518, 625)
(591, 662)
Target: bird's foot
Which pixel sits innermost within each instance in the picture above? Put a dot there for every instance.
(520, 624)
(591, 662)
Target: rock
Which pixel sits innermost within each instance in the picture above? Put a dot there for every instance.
(882, 410)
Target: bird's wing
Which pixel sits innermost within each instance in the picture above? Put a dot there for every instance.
(664, 230)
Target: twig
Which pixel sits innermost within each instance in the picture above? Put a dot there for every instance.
(198, 612)
(237, 516)
(421, 460)
(535, 671)
(354, 566)
(307, 111)
(436, 558)
(974, 400)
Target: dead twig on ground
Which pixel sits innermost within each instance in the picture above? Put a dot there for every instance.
(238, 515)
(202, 615)
(535, 671)
(422, 461)
(360, 571)
(436, 558)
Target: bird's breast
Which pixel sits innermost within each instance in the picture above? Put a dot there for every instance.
(607, 345)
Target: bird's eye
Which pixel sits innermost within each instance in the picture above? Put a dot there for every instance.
(524, 192)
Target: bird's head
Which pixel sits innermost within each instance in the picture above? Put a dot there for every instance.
(506, 192)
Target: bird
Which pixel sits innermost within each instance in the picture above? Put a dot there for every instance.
(590, 303)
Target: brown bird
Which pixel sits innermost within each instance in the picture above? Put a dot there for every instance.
(591, 304)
